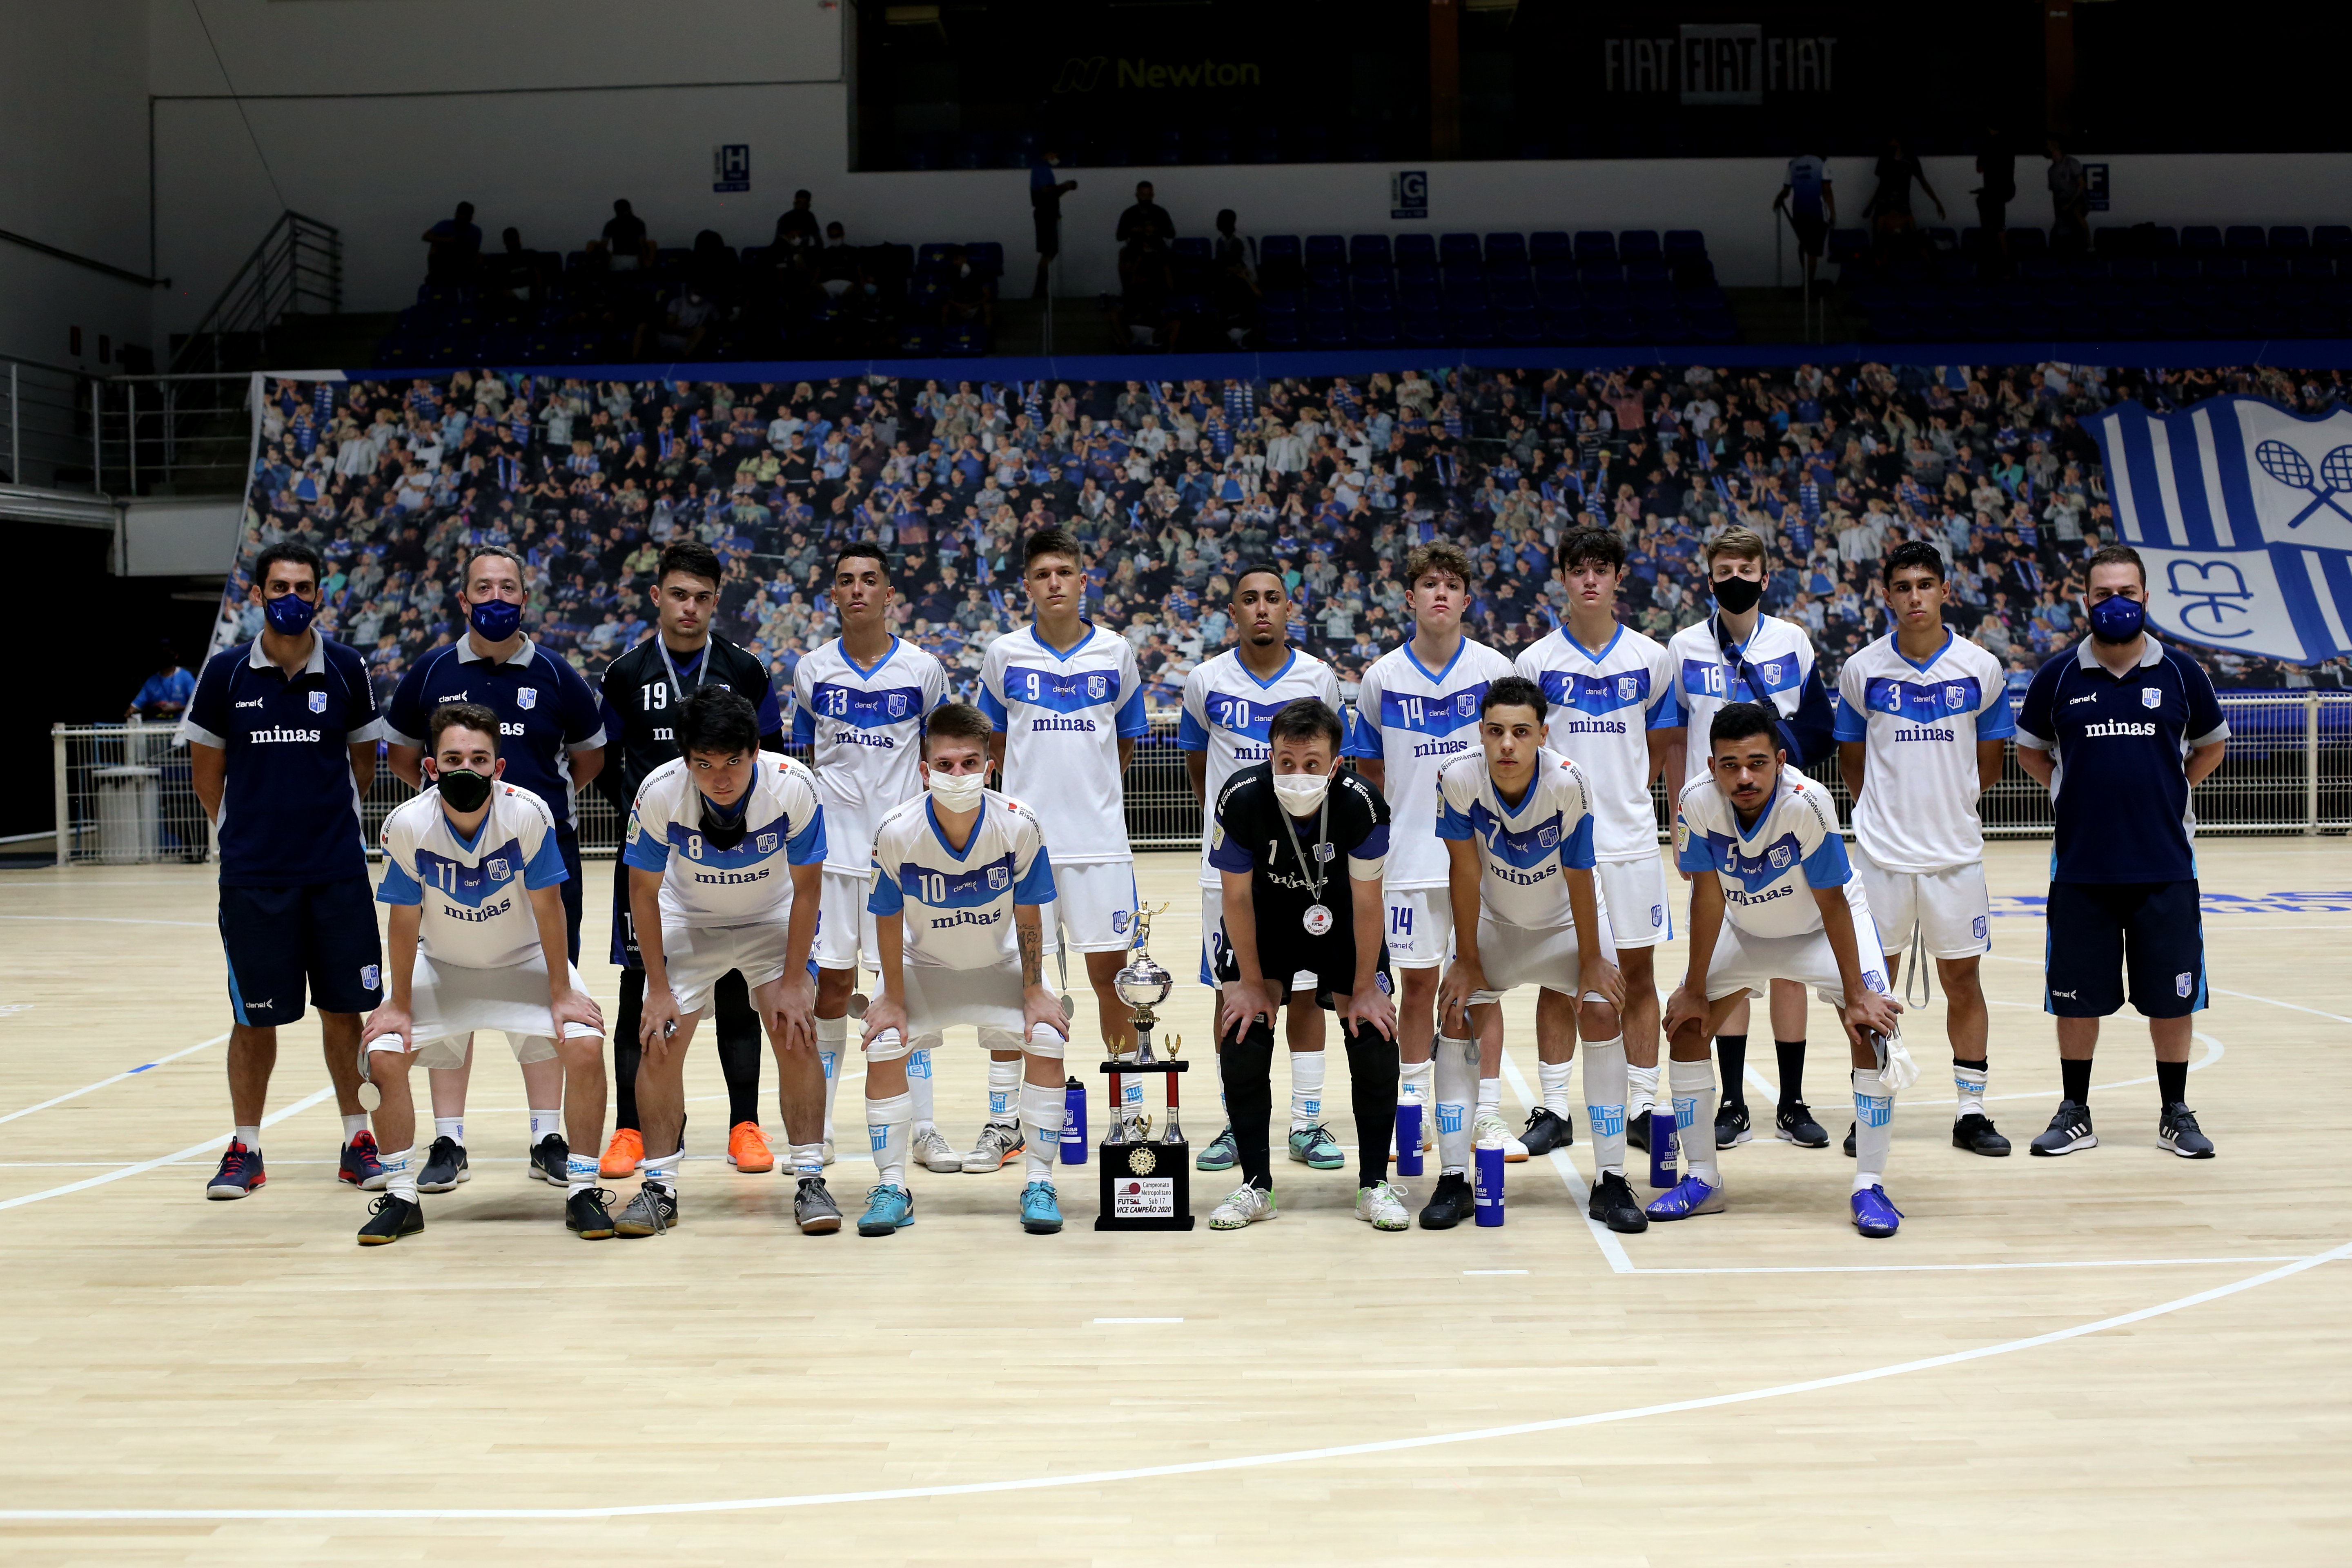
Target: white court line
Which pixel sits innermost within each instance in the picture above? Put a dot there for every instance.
(1236, 1462)
(1606, 1239)
(1494, 1271)
(190, 1152)
(2217, 990)
(1974, 1268)
(1139, 1320)
(107, 920)
(118, 1078)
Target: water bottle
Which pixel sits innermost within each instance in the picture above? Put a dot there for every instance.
(1487, 1162)
(1665, 1151)
(1408, 1162)
(1073, 1123)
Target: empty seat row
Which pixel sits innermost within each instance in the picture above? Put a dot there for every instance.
(1544, 245)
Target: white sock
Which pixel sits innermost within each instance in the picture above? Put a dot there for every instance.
(1604, 1101)
(1490, 1095)
(544, 1123)
(1693, 1089)
(1640, 1089)
(806, 1159)
(1307, 1070)
(919, 1086)
(1041, 1106)
(1417, 1083)
(353, 1126)
(399, 1173)
(250, 1137)
(450, 1127)
(1874, 1128)
(1455, 1077)
(832, 1039)
(663, 1172)
(1004, 1091)
(579, 1172)
(887, 1125)
(1554, 1077)
(1970, 1081)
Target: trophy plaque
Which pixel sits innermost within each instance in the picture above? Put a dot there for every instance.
(1147, 1182)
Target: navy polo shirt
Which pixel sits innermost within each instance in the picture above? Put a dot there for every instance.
(2119, 795)
(289, 806)
(546, 712)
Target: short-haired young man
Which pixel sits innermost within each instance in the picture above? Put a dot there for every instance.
(1519, 821)
(961, 877)
(472, 873)
(725, 856)
(2120, 730)
(281, 746)
(859, 704)
(1922, 714)
(1773, 898)
(1229, 700)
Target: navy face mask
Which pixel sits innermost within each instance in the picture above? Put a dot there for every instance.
(495, 619)
(2117, 619)
(288, 615)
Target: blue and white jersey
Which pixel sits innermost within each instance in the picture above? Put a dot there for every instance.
(747, 884)
(1063, 714)
(1707, 679)
(474, 891)
(958, 905)
(1226, 712)
(1414, 721)
(1767, 871)
(1920, 724)
(1603, 706)
(863, 729)
(546, 711)
(1523, 845)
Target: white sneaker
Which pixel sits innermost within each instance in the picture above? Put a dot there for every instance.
(998, 1141)
(1489, 1129)
(1244, 1206)
(1381, 1206)
(931, 1151)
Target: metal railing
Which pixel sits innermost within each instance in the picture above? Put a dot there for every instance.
(172, 435)
(46, 418)
(297, 269)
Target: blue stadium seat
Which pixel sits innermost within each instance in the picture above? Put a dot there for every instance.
(1521, 328)
(1473, 329)
(1506, 247)
(2315, 266)
(1457, 247)
(1510, 297)
(1423, 330)
(1322, 298)
(987, 258)
(1371, 275)
(1368, 247)
(1378, 301)
(1278, 302)
(1326, 329)
(1647, 270)
(2244, 239)
(1510, 269)
(1638, 244)
(1550, 244)
(1416, 247)
(2268, 268)
(930, 256)
(1327, 249)
(2028, 241)
(1682, 242)
(1279, 331)
(1556, 270)
(1848, 245)
(1595, 244)
(1597, 271)
(2290, 238)
(1565, 326)
(1326, 275)
(963, 340)
(1376, 329)
(2201, 239)
(2332, 237)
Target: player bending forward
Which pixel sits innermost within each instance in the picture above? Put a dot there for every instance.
(1519, 821)
(1773, 898)
(472, 872)
(960, 875)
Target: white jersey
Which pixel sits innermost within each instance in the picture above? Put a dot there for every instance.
(1415, 722)
(958, 906)
(1919, 724)
(745, 883)
(477, 911)
(1768, 871)
(1227, 711)
(1602, 707)
(1523, 849)
(1707, 679)
(863, 729)
(1063, 716)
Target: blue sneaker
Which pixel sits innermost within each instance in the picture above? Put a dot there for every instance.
(887, 1208)
(1221, 1154)
(1685, 1198)
(1040, 1214)
(1313, 1147)
(1873, 1215)
(240, 1174)
(360, 1167)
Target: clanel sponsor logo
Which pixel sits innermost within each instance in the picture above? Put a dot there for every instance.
(2072, 701)
(2065, 996)
(252, 702)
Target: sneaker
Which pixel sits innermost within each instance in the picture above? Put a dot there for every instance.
(586, 1216)
(1685, 1198)
(1244, 1206)
(1546, 1129)
(1040, 1214)
(360, 1167)
(1731, 1124)
(1613, 1204)
(1488, 1130)
(391, 1218)
(653, 1211)
(931, 1151)
(887, 1209)
(1313, 1147)
(239, 1173)
(444, 1167)
(2068, 1131)
(1381, 1206)
(1637, 1127)
(813, 1209)
(2177, 1130)
(748, 1150)
(999, 1143)
(1449, 1205)
(1873, 1215)
(549, 1159)
(1221, 1153)
(1974, 1134)
(623, 1155)
(1795, 1124)
(1849, 1141)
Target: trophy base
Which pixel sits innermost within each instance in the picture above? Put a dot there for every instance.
(1145, 1186)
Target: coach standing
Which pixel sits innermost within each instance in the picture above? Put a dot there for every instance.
(2119, 729)
(281, 745)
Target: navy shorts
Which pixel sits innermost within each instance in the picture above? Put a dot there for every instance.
(624, 930)
(567, 844)
(281, 939)
(2102, 931)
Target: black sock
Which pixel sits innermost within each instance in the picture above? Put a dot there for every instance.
(1984, 1065)
(1372, 1087)
(739, 1046)
(1792, 1069)
(2078, 1077)
(1245, 1064)
(2172, 1082)
(1731, 1051)
(626, 1050)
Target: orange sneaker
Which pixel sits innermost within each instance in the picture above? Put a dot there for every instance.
(747, 1149)
(622, 1155)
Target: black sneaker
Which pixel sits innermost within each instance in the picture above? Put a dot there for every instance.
(1731, 1124)
(651, 1212)
(549, 1157)
(1637, 1129)
(2068, 1131)
(1849, 1141)
(444, 1167)
(1614, 1206)
(1795, 1124)
(585, 1216)
(1546, 1129)
(1975, 1133)
(1449, 1205)
(391, 1218)
(2177, 1130)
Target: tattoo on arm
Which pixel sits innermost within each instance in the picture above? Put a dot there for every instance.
(1033, 955)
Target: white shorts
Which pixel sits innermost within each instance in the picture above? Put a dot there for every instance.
(844, 926)
(1512, 956)
(1213, 941)
(1420, 926)
(700, 957)
(448, 1002)
(1639, 914)
(1950, 907)
(1744, 962)
(1095, 906)
(937, 999)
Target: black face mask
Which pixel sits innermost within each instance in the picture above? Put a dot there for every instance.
(1738, 594)
(722, 833)
(464, 788)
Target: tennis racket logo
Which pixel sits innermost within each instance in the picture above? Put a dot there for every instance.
(2292, 470)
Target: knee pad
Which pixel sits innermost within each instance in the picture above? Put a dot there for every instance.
(1047, 1041)
(1257, 1033)
(888, 1045)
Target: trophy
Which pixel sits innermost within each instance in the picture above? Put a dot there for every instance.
(1147, 1183)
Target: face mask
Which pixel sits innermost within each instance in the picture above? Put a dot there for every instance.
(464, 788)
(1738, 594)
(2117, 619)
(288, 615)
(956, 792)
(1301, 794)
(495, 619)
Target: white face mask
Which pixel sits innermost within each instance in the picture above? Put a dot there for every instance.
(1301, 794)
(956, 792)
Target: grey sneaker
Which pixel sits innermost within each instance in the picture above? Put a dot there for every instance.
(653, 1211)
(998, 1144)
(2177, 1130)
(2069, 1129)
(444, 1167)
(814, 1208)
(934, 1153)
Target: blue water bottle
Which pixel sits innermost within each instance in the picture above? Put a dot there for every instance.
(1408, 1139)
(1073, 1123)
(1665, 1151)
(1488, 1163)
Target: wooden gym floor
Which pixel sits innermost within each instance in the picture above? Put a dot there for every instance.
(2117, 1356)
